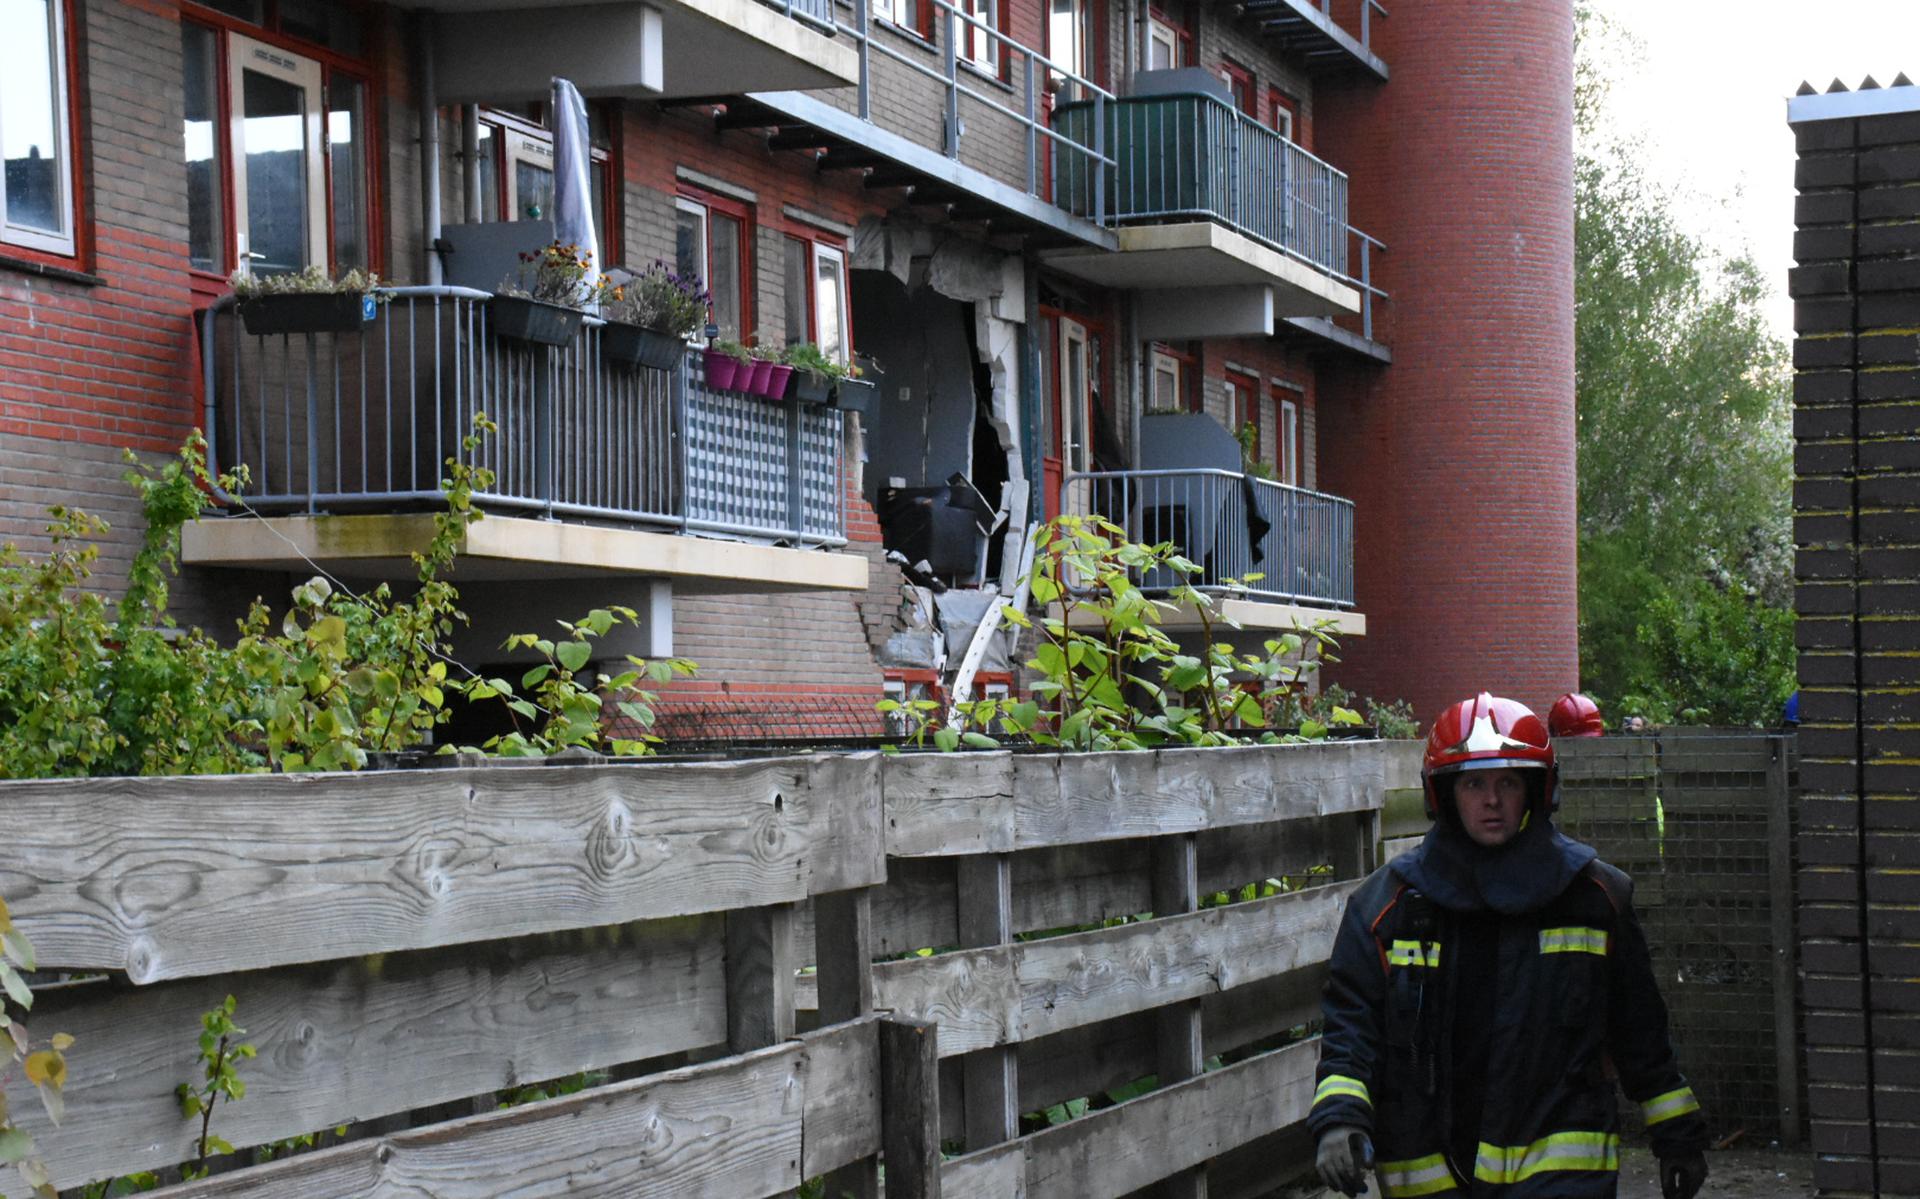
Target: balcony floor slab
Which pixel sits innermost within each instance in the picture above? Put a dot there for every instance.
(1209, 254)
(516, 548)
(1250, 613)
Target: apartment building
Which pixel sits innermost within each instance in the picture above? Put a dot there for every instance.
(1285, 281)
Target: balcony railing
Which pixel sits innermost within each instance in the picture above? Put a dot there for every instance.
(363, 421)
(815, 12)
(1232, 526)
(1191, 155)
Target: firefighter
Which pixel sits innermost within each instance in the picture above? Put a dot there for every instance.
(1574, 715)
(1485, 991)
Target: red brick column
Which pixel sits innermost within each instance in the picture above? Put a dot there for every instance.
(1459, 456)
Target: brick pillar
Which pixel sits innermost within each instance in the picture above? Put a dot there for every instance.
(1857, 536)
(1459, 456)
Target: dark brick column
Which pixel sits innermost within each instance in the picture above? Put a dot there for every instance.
(1856, 425)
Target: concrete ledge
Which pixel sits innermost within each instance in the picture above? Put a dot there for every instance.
(1251, 614)
(515, 548)
(1209, 254)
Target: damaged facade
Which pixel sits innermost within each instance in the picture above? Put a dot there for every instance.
(1100, 255)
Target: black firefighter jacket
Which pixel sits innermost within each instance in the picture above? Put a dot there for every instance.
(1573, 1003)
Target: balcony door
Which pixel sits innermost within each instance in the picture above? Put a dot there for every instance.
(279, 148)
(1069, 443)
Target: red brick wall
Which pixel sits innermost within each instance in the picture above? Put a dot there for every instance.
(1459, 456)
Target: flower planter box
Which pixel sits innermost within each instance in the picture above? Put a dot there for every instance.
(311, 312)
(775, 387)
(534, 321)
(857, 395)
(634, 346)
(725, 372)
(753, 377)
(810, 387)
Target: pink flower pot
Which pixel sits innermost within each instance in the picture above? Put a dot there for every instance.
(756, 382)
(723, 371)
(777, 381)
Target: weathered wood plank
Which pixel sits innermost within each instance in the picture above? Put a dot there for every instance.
(1114, 1152)
(992, 1087)
(845, 977)
(1123, 1148)
(983, 997)
(759, 970)
(848, 844)
(363, 1038)
(1405, 812)
(948, 803)
(1177, 1034)
(725, 1130)
(910, 1107)
(842, 1123)
(1057, 800)
(132, 874)
(996, 1173)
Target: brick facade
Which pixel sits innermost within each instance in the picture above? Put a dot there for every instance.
(1856, 296)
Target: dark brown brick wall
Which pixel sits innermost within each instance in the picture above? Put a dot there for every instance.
(1856, 292)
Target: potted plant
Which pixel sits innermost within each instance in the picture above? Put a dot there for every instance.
(814, 374)
(650, 317)
(729, 365)
(305, 301)
(770, 372)
(857, 391)
(547, 305)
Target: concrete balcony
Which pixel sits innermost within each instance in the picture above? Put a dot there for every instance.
(601, 471)
(1329, 37)
(1224, 224)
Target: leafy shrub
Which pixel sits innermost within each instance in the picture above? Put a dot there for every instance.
(45, 1069)
(659, 299)
(556, 273)
(313, 280)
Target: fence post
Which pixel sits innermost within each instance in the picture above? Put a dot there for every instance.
(1785, 972)
(760, 970)
(843, 938)
(985, 914)
(910, 1107)
(1181, 1052)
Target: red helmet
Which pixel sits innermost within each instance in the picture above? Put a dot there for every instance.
(1575, 715)
(1487, 732)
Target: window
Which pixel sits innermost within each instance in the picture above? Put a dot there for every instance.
(909, 15)
(711, 243)
(1243, 408)
(36, 138)
(1283, 113)
(816, 297)
(1169, 40)
(1240, 84)
(975, 45)
(1072, 367)
(515, 154)
(277, 145)
(1073, 42)
(1169, 382)
(1289, 449)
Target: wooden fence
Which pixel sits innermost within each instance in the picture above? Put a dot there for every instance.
(742, 946)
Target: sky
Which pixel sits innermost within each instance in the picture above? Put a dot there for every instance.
(1708, 99)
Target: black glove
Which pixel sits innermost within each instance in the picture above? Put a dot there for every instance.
(1345, 1155)
(1681, 1177)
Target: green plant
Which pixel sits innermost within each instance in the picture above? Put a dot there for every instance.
(556, 273)
(758, 352)
(738, 351)
(45, 1069)
(312, 280)
(805, 356)
(658, 299)
(221, 1051)
(569, 713)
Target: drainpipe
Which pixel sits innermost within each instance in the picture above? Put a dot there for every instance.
(428, 101)
(470, 160)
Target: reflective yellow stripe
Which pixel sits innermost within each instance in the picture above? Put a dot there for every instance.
(1669, 1105)
(1414, 953)
(1420, 1176)
(1340, 1084)
(1559, 1151)
(1573, 940)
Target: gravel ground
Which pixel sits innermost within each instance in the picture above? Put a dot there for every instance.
(1731, 1173)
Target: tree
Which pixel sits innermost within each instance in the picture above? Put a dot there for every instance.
(1685, 454)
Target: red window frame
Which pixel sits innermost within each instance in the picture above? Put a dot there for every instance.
(812, 239)
(1240, 84)
(1287, 449)
(1191, 397)
(82, 256)
(1280, 102)
(1095, 68)
(741, 211)
(605, 159)
(210, 284)
(920, 19)
(1002, 66)
(1180, 23)
(1247, 386)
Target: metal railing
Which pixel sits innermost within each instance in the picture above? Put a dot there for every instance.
(814, 12)
(364, 421)
(1232, 526)
(1195, 155)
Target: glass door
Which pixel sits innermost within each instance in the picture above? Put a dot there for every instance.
(279, 184)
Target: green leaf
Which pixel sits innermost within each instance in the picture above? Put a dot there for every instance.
(573, 654)
(979, 740)
(1313, 730)
(946, 739)
(530, 679)
(15, 1144)
(16, 987)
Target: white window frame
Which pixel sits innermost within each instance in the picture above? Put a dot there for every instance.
(977, 48)
(818, 253)
(1161, 34)
(1076, 399)
(1289, 443)
(1164, 363)
(1282, 120)
(247, 54)
(26, 236)
(699, 212)
(517, 146)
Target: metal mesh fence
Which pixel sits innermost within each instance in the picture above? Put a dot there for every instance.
(1698, 819)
